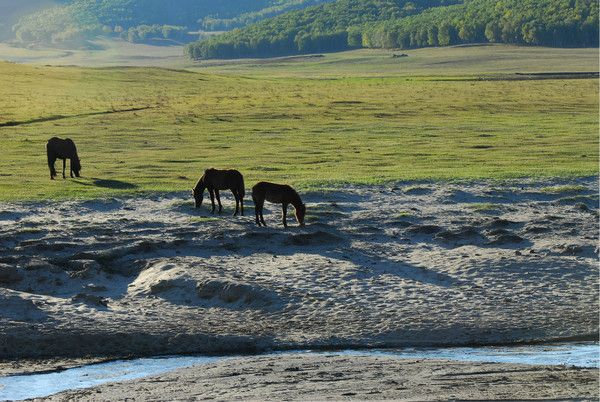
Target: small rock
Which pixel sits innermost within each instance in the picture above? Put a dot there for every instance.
(78, 265)
(570, 249)
(90, 299)
(95, 288)
(83, 269)
(10, 274)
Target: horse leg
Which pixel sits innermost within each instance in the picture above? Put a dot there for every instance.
(237, 202)
(212, 199)
(284, 207)
(242, 204)
(64, 167)
(71, 167)
(51, 160)
(262, 218)
(257, 208)
(219, 200)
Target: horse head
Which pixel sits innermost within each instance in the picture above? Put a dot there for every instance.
(76, 165)
(300, 213)
(198, 194)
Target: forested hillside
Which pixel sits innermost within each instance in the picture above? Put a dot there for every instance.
(142, 20)
(323, 28)
(348, 24)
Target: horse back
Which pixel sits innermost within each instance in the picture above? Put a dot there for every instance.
(275, 193)
(224, 179)
(61, 148)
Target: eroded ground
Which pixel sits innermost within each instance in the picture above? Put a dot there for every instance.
(423, 263)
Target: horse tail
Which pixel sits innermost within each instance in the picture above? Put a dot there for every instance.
(242, 188)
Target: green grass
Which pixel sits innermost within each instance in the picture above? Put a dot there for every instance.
(404, 214)
(203, 219)
(437, 63)
(483, 206)
(573, 188)
(305, 130)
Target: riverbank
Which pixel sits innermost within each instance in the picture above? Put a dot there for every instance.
(418, 263)
(319, 377)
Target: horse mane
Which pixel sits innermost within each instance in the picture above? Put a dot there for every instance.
(200, 183)
(296, 198)
(75, 156)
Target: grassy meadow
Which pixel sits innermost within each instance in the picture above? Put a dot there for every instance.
(361, 125)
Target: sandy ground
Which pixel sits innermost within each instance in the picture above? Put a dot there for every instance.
(318, 377)
(412, 264)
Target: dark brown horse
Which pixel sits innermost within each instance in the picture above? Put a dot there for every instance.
(57, 148)
(279, 194)
(214, 180)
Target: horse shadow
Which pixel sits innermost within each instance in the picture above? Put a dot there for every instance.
(113, 184)
(109, 183)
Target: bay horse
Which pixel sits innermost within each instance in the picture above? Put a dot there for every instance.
(57, 148)
(278, 194)
(214, 180)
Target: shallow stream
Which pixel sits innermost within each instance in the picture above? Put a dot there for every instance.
(44, 384)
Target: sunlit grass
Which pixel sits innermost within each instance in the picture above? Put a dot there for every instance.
(304, 131)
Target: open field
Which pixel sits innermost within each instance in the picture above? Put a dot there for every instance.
(453, 61)
(431, 62)
(103, 52)
(303, 130)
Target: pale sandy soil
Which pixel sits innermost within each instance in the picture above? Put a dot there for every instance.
(317, 377)
(411, 264)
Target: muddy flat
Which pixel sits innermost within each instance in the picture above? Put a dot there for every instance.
(419, 263)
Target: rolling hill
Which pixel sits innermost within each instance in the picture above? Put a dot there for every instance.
(72, 21)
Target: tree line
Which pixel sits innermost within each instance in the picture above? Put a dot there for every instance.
(349, 24)
(559, 23)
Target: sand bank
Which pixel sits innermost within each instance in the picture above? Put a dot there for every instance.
(411, 264)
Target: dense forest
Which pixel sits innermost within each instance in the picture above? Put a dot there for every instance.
(348, 24)
(322, 28)
(141, 20)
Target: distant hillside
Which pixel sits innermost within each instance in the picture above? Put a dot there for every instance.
(278, 7)
(142, 20)
(348, 24)
(322, 28)
(11, 11)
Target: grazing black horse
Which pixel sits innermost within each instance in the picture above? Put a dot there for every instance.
(278, 194)
(214, 180)
(57, 148)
